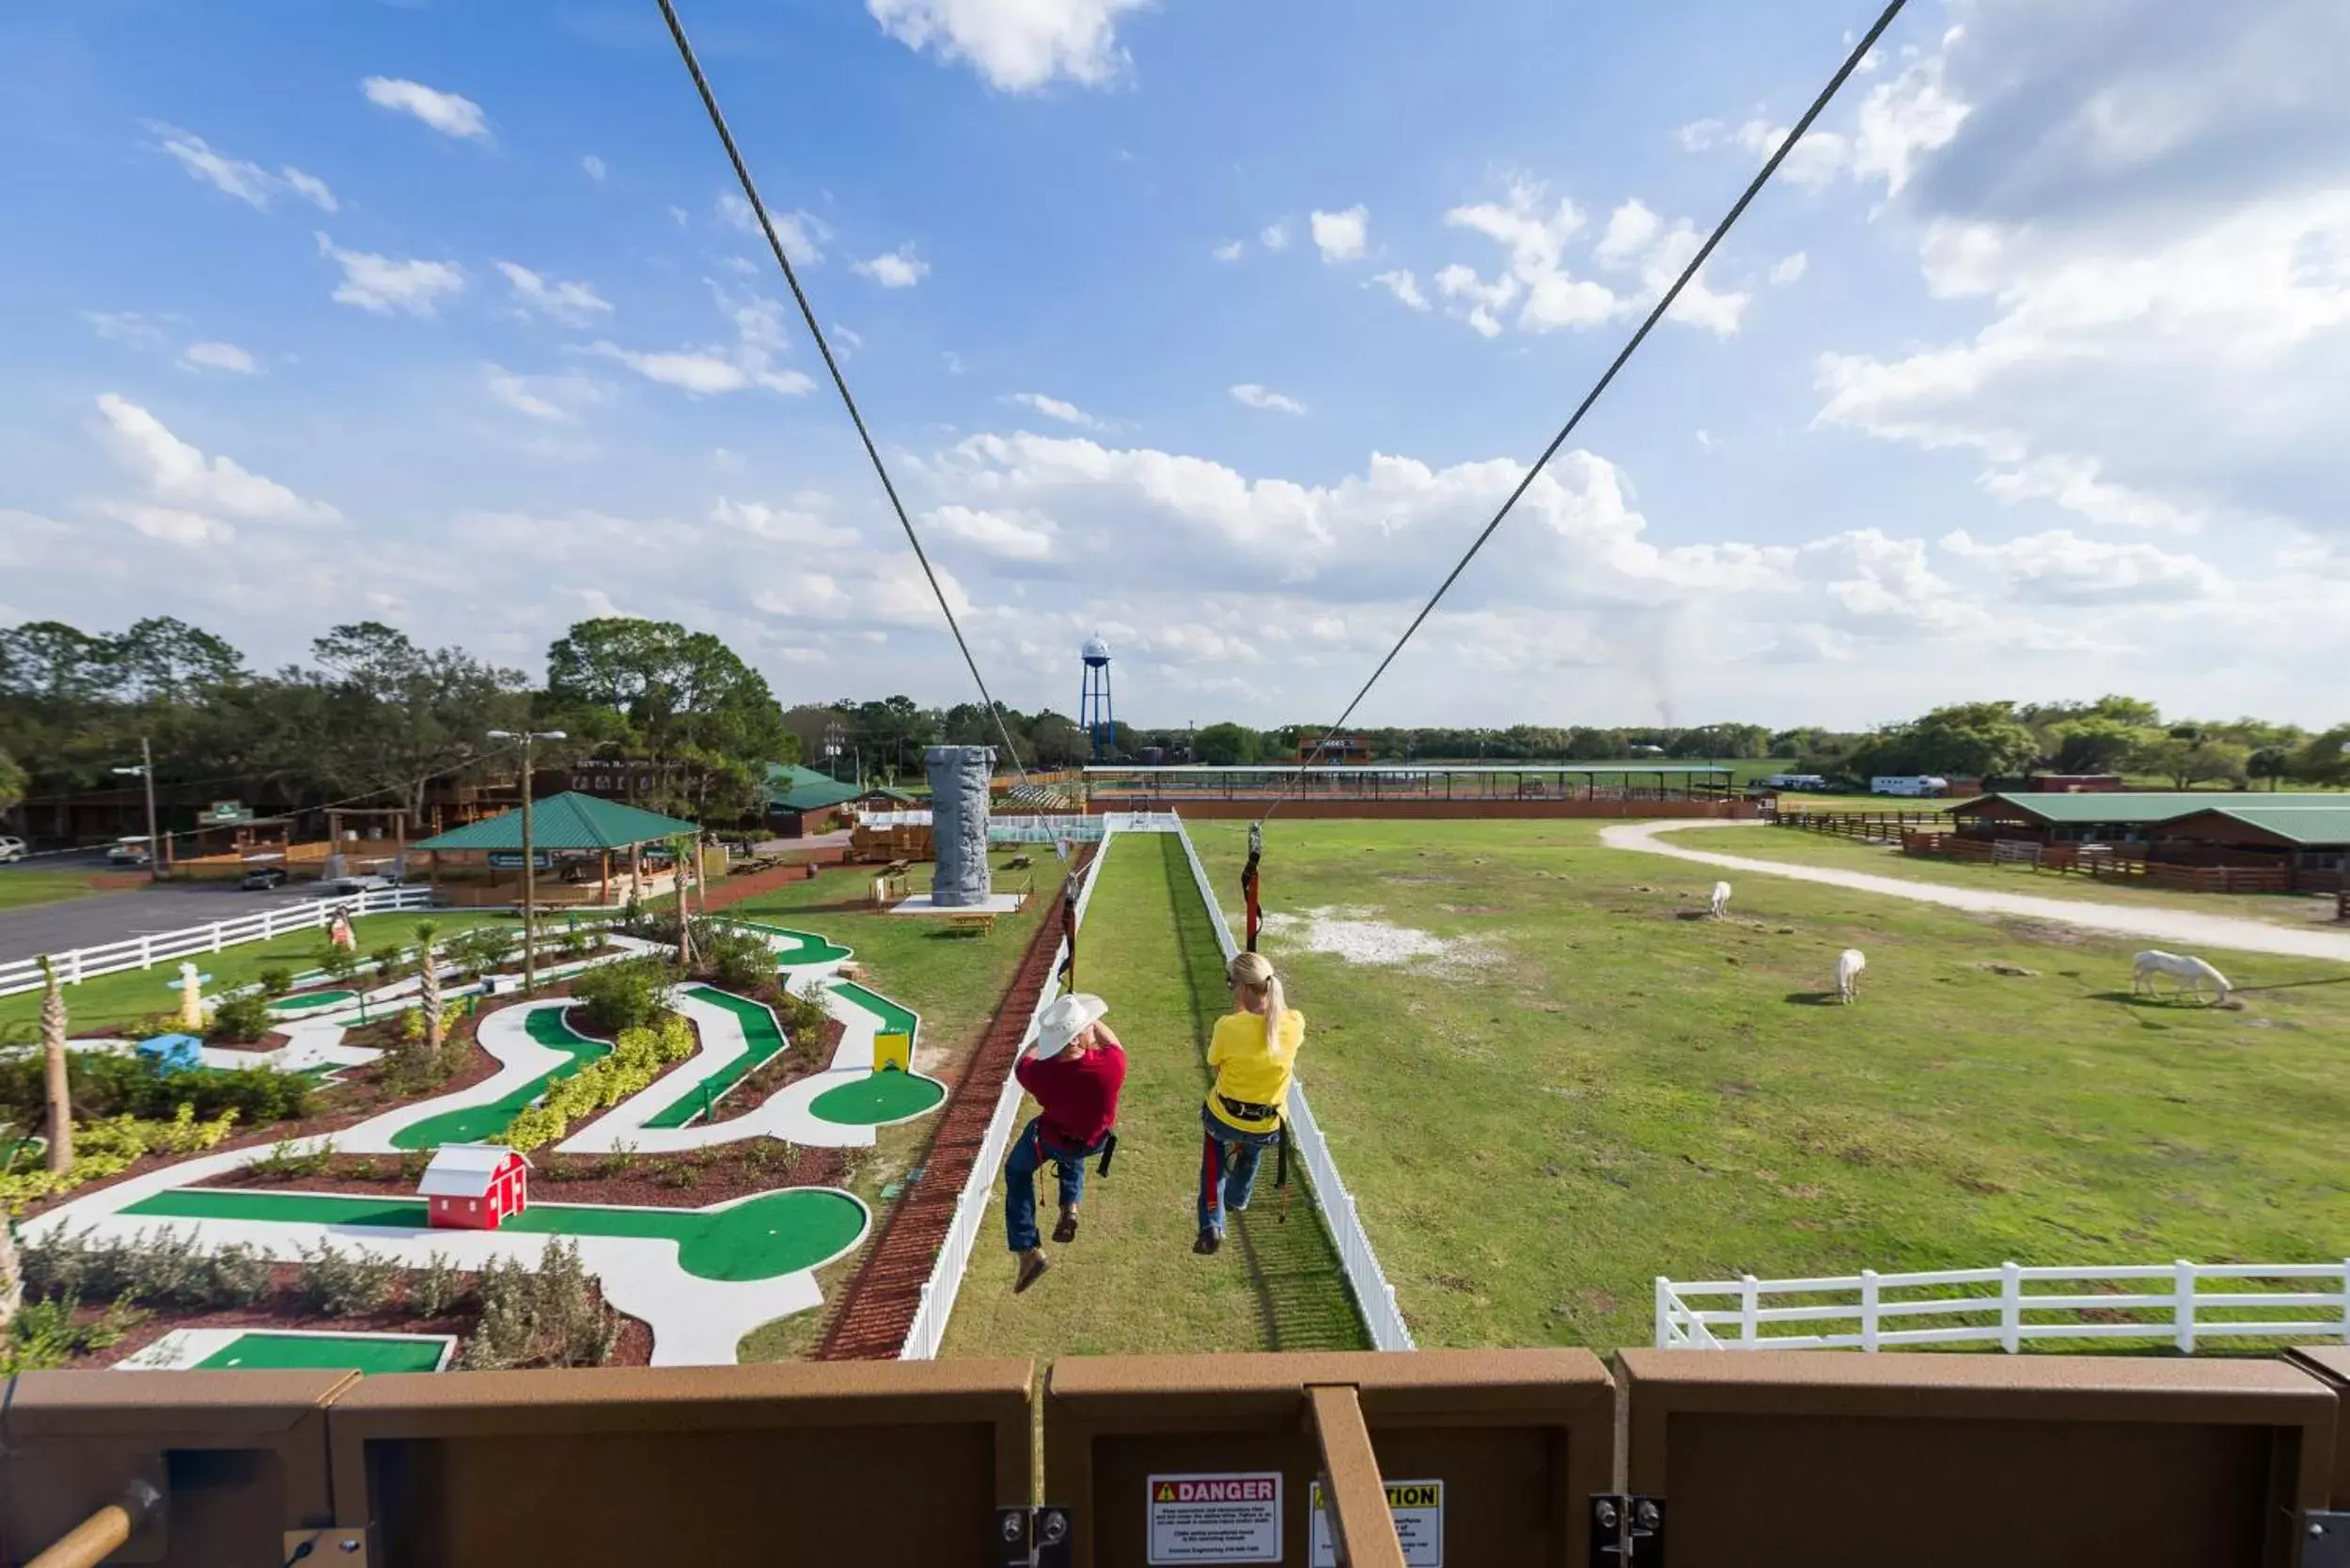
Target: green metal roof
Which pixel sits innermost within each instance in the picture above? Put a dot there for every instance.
(2149, 806)
(792, 788)
(570, 821)
(2299, 823)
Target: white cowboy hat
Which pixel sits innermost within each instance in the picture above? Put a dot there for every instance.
(1065, 1020)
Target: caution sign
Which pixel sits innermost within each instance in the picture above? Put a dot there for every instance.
(1418, 1509)
(1231, 1517)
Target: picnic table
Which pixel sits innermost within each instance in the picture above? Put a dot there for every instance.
(971, 925)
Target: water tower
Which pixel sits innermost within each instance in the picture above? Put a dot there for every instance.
(1094, 699)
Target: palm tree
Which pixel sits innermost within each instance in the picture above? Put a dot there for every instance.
(429, 975)
(53, 1063)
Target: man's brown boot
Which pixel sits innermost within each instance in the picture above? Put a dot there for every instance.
(1066, 1231)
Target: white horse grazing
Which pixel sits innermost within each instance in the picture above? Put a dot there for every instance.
(1848, 967)
(1719, 906)
(2187, 970)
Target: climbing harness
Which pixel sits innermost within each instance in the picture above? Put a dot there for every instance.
(1068, 933)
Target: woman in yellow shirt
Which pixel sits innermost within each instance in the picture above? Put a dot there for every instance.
(1254, 1052)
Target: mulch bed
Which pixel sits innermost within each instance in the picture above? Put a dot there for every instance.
(688, 1180)
(788, 1066)
(284, 1310)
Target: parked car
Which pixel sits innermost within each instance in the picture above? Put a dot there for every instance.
(365, 882)
(128, 852)
(12, 849)
(260, 879)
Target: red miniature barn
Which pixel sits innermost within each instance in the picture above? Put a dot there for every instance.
(473, 1187)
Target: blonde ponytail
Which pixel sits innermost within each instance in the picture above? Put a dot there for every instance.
(1252, 972)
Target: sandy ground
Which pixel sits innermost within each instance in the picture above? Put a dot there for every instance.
(2175, 928)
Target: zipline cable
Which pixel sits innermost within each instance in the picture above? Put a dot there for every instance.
(1754, 188)
(808, 314)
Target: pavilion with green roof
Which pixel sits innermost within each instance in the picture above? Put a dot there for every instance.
(795, 794)
(570, 824)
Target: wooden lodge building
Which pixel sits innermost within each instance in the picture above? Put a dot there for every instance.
(2305, 835)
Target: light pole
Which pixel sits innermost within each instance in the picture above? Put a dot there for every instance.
(145, 771)
(530, 863)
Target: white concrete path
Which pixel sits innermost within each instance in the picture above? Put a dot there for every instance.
(2178, 928)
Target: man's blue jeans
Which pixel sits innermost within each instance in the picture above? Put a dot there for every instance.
(1227, 1168)
(1029, 1152)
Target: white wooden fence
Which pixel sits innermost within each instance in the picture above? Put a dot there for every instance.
(139, 952)
(973, 1205)
(1374, 1298)
(1995, 1306)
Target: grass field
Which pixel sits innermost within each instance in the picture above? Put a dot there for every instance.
(1130, 1282)
(1588, 1088)
(113, 1001)
(1814, 849)
(22, 886)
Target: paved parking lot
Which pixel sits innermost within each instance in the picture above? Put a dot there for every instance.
(50, 928)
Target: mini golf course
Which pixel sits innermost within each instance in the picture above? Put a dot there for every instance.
(796, 949)
(772, 1234)
(477, 1124)
(362, 1353)
(879, 1099)
(760, 1032)
(312, 1001)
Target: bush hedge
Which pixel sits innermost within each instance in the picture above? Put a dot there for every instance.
(639, 1057)
(633, 994)
(118, 1083)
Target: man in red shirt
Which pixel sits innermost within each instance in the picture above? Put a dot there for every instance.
(1074, 1072)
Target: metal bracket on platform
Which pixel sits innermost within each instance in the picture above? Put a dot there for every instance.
(1035, 1537)
(325, 1548)
(1629, 1532)
(2325, 1539)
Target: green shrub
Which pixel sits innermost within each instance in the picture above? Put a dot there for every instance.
(390, 964)
(339, 1284)
(241, 1020)
(802, 1017)
(580, 941)
(435, 1288)
(638, 1057)
(44, 1336)
(286, 1157)
(740, 961)
(338, 963)
(630, 995)
(107, 1148)
(277, 981)
(166, 1269)
(551, 1317)
(118, 1083)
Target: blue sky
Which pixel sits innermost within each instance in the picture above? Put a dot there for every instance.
(1218, 327)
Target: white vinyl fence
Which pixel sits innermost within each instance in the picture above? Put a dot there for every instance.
(1995, 1306)
(1374, 1298)
(140, 953)
(973, 1206)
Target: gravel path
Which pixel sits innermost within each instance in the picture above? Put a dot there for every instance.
(2177, 927)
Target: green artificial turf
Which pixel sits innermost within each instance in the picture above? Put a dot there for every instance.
(363, 1353)
(477, 1124)
(759, 1031)
(800, 949)
(882, 1097)
(760, 1238)
(1130, 1283)
(1593, 1086)
(311, 1001)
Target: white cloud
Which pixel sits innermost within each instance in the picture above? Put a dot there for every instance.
(953, 361)
(895, 269)
(1404, 286)
(1012, 535)
(2060, 567)
(1054, 408)
(573, 303)
(1631, 229)
(189, 497)
(803, 233)
(1341, 236)
(759, 336)
(1705, 441)
(2077, 484)
(594, 166)
(247, 182)
(1699, 134)
(1016, 46)
(1254, 396)
(124, 326)
(1230, 250)
(555, 399)
(1457, 282)
(445, 112)
(1790, 269)
(382, 284)
(1899, 121)
(781, 524)
(219, 357)
(1276, 236)
(854, 339)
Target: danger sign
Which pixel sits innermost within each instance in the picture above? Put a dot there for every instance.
(1231, 1517)
(1418, 1507)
